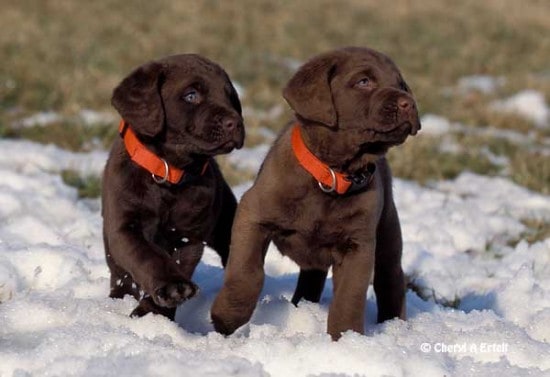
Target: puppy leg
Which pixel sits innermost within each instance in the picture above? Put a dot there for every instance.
(186, 259)
(350, 279)
(389, 280)
(121, 282)
(221, 237)
(151, 268)
(244, 275)
(310, 286)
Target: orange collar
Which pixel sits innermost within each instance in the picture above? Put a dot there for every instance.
(160, 170)
(328, 179)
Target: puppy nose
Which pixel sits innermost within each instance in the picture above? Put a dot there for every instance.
(229, 124)
(405, 104)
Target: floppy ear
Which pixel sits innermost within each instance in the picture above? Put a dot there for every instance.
(137, 99)
(309, 94)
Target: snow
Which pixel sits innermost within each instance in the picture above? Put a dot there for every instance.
(435, 125)
(31, 158)
(92, 117)
(446, 132)
(87, 116)
(480, 304)
(249, 158)
(482, 83)
(529, 104)
(40, 119)
(264, 115)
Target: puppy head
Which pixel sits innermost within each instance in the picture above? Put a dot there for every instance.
(357, 92)
(182, 105)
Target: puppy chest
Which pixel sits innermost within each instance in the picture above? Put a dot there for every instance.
(188, 218)
(313, 235)
(314, 249)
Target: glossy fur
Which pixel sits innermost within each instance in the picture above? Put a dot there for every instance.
(185, 109)
(353, 105)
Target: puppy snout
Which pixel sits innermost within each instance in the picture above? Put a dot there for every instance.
(234, 128)
(229, 124)
(405, 104)
(407, 111)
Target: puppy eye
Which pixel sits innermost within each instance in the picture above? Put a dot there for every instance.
(192, 96)
(365, 82)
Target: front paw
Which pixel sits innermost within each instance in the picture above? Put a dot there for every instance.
(222, 326)
(227, 318)
(174, 293)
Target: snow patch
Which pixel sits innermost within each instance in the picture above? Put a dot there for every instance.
(40, 119)
(92, 117)
(249, 158)
(57, 319)
(32, 158)
(481, 83)
(87, 116)
(528, 104)
(435, 125)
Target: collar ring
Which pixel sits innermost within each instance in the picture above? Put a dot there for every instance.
(332, 187)
(166, 173)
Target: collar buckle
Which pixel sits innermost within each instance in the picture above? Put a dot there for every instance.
(360, 181)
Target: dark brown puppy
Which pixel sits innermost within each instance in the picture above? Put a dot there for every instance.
(184, 110)
(351, 105)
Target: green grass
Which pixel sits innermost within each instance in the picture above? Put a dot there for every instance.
(422, 160)
(87, 187)
(532, 170)
(67, 56)
(536, 230)
(71, 135)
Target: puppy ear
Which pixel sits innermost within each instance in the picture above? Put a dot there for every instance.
(137, 98)
(309, 94)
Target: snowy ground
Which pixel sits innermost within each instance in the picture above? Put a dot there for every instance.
(484, 311)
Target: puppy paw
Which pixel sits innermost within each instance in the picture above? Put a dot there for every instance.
(140, 311)
(147, 305)
(172, 294)
(222, 327)
(227, 317)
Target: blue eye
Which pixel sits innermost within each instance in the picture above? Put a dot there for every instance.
(363, 82)
(192, 97)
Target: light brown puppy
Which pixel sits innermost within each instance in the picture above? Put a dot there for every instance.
(351, 105)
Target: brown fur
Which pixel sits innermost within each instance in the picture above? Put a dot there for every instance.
(154, 233)
(349, 124)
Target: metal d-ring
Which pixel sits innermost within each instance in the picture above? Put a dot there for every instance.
(166, 172)
(333, 186)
